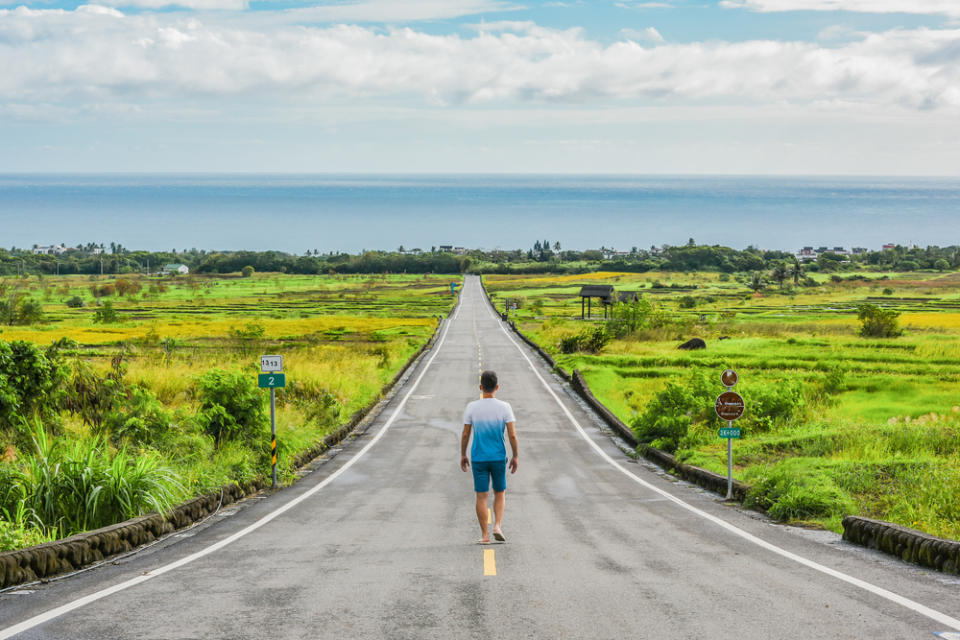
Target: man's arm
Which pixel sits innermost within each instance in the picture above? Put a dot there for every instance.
(512, 437)
(464, 440)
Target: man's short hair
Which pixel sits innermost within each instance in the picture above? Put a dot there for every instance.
(488, 381)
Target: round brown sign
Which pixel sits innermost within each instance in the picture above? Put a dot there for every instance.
(730, 405)
(729, 378)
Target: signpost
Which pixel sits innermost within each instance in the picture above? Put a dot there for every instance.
(272, 378)
(729, 407)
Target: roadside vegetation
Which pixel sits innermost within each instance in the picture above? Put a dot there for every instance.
(130, 394)
(850, 379)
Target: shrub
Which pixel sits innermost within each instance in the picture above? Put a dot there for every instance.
(590, 340)
(941, 265)
(30, 312)
(106, 314)
(92, 396)
(247, 271)
(231, 407)
(139, 418)
(667, 417)
(30, 382)
(126, 287)
(888, 291)
(876, 322)
(627, 317)
(75, 302)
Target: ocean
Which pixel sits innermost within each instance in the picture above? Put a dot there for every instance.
(296, 213)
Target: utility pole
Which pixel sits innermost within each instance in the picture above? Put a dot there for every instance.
(101, 266)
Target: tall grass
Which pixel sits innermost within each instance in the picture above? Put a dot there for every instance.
(65, 487)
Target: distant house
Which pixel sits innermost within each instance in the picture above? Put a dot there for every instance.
(447, 248)
(888, 247)
(459, 251)
(54, 249)
(174, 269)
(859, 250)
(97, 251)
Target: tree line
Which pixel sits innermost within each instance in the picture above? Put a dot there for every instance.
(543, 257)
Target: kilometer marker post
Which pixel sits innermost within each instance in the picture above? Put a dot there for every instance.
(271, 377)
(729, 407)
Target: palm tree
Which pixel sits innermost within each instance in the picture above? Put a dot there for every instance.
(796, 271)
(756, 281)
(779, 273)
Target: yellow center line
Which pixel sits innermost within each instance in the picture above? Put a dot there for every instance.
(489, 563)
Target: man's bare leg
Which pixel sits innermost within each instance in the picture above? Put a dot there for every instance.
(482, 515)
(499, 499)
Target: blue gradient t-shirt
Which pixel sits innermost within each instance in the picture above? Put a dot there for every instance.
(489, 418)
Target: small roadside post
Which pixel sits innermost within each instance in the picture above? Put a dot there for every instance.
(729, 407)
(453, 288)
(272, 377)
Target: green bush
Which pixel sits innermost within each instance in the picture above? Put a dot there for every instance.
(876, 322)
(627, 317)
(668, 417)
(30, 382)
(776, 402)
(106, 314)
(140, 418)
(75, 302)
(590, 341)
(231, 407)
(247, 271)
(687, 302)
(92, 396)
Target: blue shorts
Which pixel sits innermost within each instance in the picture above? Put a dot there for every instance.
(486, 470)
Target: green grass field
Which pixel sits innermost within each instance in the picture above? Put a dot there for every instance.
(874, 427)
(342, 338)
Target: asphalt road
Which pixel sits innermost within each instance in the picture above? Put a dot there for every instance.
(379, 542)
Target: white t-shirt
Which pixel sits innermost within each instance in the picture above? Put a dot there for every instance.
(489, 418)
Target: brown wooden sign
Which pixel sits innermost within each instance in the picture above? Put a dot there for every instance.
(730, 405)
(729, 378)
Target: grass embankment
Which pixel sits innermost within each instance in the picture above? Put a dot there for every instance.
(836, 423)
(137, 389)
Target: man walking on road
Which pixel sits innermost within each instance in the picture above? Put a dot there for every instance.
(488, 418)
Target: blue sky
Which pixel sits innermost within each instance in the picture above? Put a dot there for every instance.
(664, 86)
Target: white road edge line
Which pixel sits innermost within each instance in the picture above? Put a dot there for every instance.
(924, 610)
(30, 623)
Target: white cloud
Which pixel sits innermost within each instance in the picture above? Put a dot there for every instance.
(84, 56)
(643, 5)
(650, 34)
(934, 7)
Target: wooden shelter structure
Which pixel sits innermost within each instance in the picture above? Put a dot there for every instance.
(589, 291)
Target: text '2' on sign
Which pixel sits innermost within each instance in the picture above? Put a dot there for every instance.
(270, 364)
(729, 405)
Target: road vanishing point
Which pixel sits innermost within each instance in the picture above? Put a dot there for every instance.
(379, 541)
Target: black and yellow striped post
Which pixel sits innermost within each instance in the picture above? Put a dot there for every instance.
(273, 434)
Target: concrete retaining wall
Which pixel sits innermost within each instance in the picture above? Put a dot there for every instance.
(907, 544)
(69, 554)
